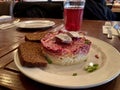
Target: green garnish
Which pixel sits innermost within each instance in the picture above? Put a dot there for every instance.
(87, 42)
(91, 68)
(74, 74)
(48, 60)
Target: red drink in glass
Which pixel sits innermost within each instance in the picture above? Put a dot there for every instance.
(73, 18)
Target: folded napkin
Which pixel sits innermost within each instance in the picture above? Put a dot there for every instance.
(6, 26)
(5, 18)
(113, 30)
(111, 26)
(9, 25)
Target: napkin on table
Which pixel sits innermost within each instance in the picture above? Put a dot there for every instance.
(5, 18)
(113, 30)
(8, 25)
(111, 25)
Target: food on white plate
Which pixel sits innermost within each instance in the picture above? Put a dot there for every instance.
(65, 48)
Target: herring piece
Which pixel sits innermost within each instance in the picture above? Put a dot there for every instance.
(64, 38)
(74, 34)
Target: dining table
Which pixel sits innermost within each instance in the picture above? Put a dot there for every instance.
(115, 7)
(11, 78)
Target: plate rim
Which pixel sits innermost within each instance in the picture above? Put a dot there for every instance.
(74, 86)
(26, 21)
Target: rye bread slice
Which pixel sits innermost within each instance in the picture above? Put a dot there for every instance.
(30, 55)
(34, 37)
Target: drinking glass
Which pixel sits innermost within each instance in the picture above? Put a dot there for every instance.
(73, 14)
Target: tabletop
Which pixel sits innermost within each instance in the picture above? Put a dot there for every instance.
(12, 78)
(114, 7)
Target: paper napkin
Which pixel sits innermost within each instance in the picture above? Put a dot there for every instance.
(113, 30)
(6, 26)
(5, 18)
(111, 26)
(9, 24)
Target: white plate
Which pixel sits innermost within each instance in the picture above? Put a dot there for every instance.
(61, 76)
(35, 24)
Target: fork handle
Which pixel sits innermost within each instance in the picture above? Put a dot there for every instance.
(109, 35)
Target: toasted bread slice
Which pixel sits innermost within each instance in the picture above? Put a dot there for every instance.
(34, 37)
(30, 55)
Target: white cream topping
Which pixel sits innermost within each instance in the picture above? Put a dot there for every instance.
(74, 34)
(64, 38)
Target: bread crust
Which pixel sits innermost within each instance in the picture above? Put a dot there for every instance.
(34, 37)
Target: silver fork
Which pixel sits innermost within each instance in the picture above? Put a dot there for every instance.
(16, 21)
(109, 33)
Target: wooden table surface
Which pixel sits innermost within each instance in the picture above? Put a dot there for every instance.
(12, 78)
(114, 7)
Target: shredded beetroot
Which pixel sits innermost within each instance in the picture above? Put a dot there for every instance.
(77, 46)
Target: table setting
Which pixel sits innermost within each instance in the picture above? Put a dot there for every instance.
(13, 64)
(64, 55)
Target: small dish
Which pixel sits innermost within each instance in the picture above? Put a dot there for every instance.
(35, 24)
